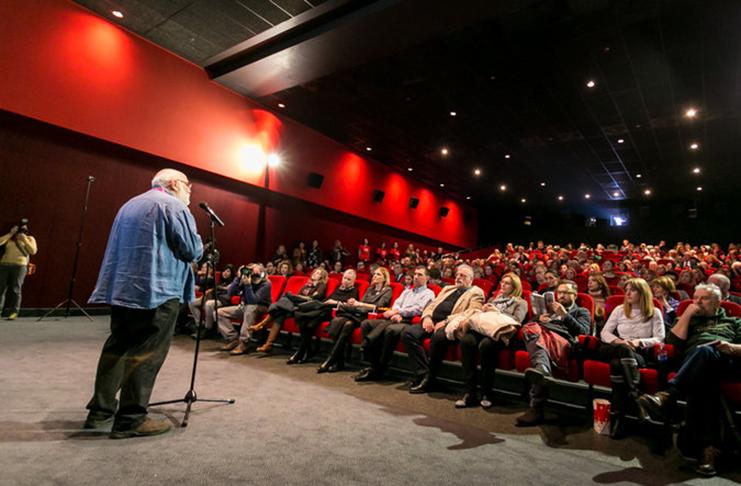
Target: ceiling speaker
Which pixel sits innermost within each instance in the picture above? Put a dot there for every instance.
(444, 211)
(315, 180)
(413, 202)
(378, 195)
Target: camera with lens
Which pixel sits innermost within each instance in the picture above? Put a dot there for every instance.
(23, 226)
(246, 272)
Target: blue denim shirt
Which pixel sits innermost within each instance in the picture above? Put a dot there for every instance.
(148, 259)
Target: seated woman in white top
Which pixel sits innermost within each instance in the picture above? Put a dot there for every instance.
(628, 335)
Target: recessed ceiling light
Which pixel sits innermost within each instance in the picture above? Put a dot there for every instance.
(468, 198)
(560, 198)
(695, 146)
(587, 196)
(616, 194)
(503, 187)
(638, 125)
(690, 113)
(410, 169)
(442, 185)
(606, 49)
(699, 188)
(638, 176)
(591, 83)
(477, 172)
(452, 113)
(620, 140)
(281, 105)
(507, 156)
(369, 149)
(117, 14)
(444, 150)
(523, 200)
(696, 170)
(542, 184)
(647, 192)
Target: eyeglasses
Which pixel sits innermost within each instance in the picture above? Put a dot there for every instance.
(189, 185)
(565, 292)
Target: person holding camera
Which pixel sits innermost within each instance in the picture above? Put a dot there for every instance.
(255, 291)
(16, 247)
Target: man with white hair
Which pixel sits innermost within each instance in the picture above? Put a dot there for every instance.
(145, 275)
(451, 300)
(724, 284)
(711, 343)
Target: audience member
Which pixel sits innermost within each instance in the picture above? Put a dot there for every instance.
(254, 290)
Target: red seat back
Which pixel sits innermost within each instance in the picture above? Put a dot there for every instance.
(484, 285)
(615, 290)
(581, 282)
(396, 291)
(362, 286)
(434, 288)
(277, 283)
(294, 284)
(586, 301)
(332, 284)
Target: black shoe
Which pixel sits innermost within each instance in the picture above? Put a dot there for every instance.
(324, 367)
(533, 416)
(617, 429)
(424, 386)
(366, 374)
(335, 367)
(658, 406)
(706, 462)
(468, 400)
(296, 358)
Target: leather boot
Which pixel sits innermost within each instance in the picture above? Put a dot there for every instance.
(268, 346)
(632, 378)
(617, 425)
(336, 360)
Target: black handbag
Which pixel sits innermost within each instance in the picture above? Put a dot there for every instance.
(311, 309)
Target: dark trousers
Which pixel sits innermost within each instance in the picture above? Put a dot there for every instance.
(11, 281)
(380, 350)
(699, 380)
(413, 337)
(131, 358)
(488, 351)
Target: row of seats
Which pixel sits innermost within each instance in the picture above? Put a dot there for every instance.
(594, 373)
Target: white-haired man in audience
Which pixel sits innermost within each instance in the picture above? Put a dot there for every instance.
(451, 300)
(710, 342)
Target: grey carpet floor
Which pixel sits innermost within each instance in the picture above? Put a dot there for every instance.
(288, 426)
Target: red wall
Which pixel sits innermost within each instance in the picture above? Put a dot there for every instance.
(68, 67)
(43, 175)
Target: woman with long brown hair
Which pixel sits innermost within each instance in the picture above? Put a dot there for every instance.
(628, 335)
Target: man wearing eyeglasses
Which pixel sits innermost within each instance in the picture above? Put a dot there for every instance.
(145, 275)
(451, 300)
(548, 342)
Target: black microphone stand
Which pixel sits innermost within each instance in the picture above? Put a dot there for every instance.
(190, 396)
(69, 301)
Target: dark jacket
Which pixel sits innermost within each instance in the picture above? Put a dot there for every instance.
(577, 321)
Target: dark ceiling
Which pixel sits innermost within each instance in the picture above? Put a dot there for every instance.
(515, 75)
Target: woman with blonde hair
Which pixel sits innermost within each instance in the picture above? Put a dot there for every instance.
(628, 336)
(351, 313)
(286, 306)
(507, 301)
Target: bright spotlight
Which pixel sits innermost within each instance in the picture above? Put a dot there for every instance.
(274, 160)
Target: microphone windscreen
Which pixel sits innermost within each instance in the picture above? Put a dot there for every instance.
(203, 204)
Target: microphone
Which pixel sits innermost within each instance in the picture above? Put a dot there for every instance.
(204, 205)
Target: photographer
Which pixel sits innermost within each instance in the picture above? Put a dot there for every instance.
(254, 288)
(15, 247)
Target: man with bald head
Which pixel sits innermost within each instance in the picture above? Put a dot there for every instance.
(724, 284)
(710, 342)
(145, 275)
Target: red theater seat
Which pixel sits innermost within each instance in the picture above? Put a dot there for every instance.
(484, 285)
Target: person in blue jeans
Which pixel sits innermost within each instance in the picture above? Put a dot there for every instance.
(711, 343)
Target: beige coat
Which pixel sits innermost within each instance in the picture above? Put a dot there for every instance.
(473, 298)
